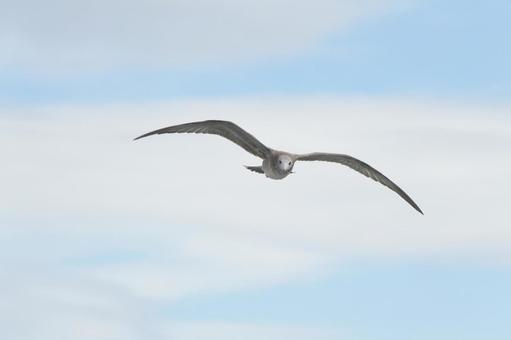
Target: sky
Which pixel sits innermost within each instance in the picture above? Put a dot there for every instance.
(170, 237)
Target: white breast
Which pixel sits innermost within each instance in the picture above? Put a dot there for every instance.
(272, 172)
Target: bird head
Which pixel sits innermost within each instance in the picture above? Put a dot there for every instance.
(285, 163)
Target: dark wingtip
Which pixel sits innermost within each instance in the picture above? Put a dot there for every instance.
(410, 201)
(144, 135)
(416, 207)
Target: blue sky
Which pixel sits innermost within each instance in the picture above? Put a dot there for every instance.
(107, 239)
(435, 48)
(418, 300)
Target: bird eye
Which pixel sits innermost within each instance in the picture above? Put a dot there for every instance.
(289, 163)
(280, 162)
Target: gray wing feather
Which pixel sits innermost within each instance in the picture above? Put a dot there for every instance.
(222, 128)
(363, 168)
(258, 169)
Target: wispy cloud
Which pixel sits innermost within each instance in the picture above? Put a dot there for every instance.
(96, 222)
(228, 331)
(60, 35)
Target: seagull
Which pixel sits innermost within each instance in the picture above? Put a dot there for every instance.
(278, 164)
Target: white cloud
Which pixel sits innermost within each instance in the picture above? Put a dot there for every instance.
(236, 331)
(96, 226)
(80, 35)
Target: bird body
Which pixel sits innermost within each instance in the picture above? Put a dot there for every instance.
(278, 164)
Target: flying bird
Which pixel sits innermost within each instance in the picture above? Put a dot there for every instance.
(278, 164)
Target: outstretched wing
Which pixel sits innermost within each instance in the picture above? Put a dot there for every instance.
(364, 168)
(222, 128)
